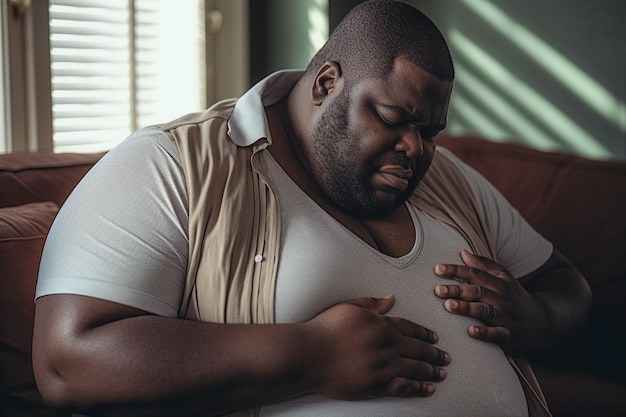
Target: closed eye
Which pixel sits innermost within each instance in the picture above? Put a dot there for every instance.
(386, 120)
(401, 120)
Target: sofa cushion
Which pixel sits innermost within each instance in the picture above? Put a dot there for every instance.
(26, 221)
(579, 205)
(23, 230)
(29, 177)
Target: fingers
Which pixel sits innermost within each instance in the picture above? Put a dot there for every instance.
(419, 360)
(403, 326)
(404, 387)
(481, 295)
(376, 305)
(418, 383)
(469, 300)
(486, 287)
(378, 353)
(482, 311)
(462, 292)
(468, 275)
(496, 334)
(417, 342)
(419, 363)
(413, 330)
(414, 379)
(483, 264)
(477, 270)
(424, 351)
(412, 340)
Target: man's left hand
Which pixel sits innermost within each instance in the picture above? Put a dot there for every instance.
(514, 318)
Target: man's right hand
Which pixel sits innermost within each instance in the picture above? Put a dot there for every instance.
(97, 357)
(361, 353)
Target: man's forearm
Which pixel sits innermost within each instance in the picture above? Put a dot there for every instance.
(566, 297)
(102, 358)
(129, 364)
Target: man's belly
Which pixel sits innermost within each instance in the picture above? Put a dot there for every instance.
(323, 264)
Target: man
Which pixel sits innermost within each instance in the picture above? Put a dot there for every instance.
(248, 257)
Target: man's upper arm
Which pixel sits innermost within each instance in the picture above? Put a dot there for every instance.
(519, 247)
(122, 234)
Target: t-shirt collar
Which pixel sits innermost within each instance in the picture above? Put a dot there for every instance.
(248, 123)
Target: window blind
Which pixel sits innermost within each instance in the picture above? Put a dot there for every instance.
(118, 65)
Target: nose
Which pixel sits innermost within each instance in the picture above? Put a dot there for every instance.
(410, 143)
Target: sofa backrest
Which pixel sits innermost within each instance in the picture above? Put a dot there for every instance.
(31, 177)
(578, 204)
(32, 187)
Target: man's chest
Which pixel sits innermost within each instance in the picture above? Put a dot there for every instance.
(326, 258)
(323, 263)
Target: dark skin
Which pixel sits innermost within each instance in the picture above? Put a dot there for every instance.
(104, 358)
(109, 359)
(520, 315)
(536, 311)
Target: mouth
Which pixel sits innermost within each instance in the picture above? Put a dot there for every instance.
(394, 176)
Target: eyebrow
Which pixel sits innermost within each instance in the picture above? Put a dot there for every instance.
(406, 116)
(401, 112)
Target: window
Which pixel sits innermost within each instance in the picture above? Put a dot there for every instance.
(118, 65)
(93, 47)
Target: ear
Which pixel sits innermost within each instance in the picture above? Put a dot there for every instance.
(328, 78)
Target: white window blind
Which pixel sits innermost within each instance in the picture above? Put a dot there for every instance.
(118, 65)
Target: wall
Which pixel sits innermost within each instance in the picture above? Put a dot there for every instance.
(285, 34)
(551, 74)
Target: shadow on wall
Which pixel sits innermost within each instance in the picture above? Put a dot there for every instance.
(548, 74)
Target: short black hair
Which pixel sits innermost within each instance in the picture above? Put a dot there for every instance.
(373, 34)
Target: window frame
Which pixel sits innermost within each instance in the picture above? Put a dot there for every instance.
(26, 58)
(27, 77)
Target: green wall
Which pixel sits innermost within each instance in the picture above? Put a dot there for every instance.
(280, 34)
(550, 74)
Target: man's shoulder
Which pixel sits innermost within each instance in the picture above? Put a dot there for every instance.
(219, 112)
(202, 134)
(444, 167)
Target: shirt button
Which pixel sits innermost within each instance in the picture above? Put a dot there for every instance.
(258, 258)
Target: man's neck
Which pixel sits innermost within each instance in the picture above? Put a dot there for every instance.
(392, 234)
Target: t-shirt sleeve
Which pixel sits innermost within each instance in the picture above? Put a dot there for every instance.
(122, 234)
(519, 247)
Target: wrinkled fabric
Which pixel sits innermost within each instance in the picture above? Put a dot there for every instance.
(234, 227)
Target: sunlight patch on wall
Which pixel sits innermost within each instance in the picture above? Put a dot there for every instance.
(553, 119)
(506, 113)
(318, 25)
(588, 90)
(472, 116)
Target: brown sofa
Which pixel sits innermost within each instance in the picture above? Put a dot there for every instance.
(579, 204)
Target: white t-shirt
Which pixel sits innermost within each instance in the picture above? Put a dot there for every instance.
(122, 233)
(323, 263)
(122, 236)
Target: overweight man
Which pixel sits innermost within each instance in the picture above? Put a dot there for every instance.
(304, 250)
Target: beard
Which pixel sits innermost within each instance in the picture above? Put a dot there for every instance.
(342, 171)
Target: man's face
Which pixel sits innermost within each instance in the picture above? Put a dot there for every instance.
(375, 140)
